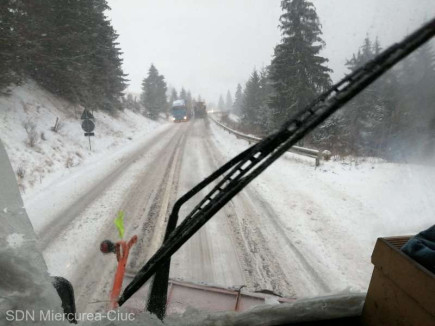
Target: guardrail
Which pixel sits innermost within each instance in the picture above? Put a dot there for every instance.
(308, 152)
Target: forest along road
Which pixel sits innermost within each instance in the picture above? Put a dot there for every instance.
(241, 245)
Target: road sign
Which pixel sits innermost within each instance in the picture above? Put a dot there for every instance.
(88, 125)
(87, 115)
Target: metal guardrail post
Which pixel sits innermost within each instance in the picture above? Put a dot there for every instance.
(318, 158)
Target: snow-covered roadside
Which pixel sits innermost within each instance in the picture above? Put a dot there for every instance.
(58, 153)
(82, 235)
(234, 117)
(60, 166)
(334, 214)
(70, 187)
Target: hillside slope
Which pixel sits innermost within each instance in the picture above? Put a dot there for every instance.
(55, 155)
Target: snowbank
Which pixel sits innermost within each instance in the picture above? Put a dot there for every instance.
(333, 215)
(55, 155)
(234, 118)
(60, 165)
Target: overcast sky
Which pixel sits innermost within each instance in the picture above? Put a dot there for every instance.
(208, 46)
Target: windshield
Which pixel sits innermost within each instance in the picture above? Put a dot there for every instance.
(101, 150)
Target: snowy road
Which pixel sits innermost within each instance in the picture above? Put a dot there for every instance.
(136, 188)
(210, 256)
(237, 247)
(287, 232)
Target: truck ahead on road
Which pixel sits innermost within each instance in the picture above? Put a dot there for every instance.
(179, 111)
(200, 110)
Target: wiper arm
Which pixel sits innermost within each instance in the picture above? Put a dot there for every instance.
(242, 169)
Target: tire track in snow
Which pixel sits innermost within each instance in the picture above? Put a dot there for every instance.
(94, 271)
(280, 228)
(152, 231)
(209, 256)
(52, 230)
(146, 211)
(262, 269)
(142, 205)
(248, 227)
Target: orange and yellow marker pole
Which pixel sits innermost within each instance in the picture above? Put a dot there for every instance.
(122, 250)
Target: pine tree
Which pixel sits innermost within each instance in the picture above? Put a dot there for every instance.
(183, 94)
(154, 93)
(266, 89)
(221, 104)
(365, 117)
(59, 43)
(104, 76)
(173, 97)
(424, 76)
(331, 134)
(414, 134)
(69, 47)
(189, 101)
(107, 61)
(251, 106)
(298, 72)
(238, 100)
(10, 56)
(130, 102)
(228, 102)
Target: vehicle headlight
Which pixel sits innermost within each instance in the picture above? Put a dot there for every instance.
(185, 118)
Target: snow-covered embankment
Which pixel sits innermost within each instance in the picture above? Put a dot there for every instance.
(58, 165)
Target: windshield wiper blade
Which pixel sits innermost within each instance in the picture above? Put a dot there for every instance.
(248, 165)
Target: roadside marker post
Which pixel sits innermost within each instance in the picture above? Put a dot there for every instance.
(88, 125)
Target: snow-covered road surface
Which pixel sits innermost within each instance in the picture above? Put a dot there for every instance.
(210, 255)
(74, 251)
(296, 230)
(237, 247)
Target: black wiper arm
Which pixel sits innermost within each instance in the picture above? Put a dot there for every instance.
(256, 159)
